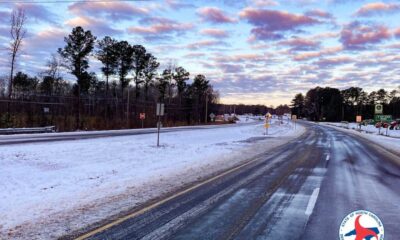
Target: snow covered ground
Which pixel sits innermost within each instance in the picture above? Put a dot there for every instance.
(370, 129)
(389, 139)
(50, 189)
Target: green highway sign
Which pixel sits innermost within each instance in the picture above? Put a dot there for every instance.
(383, 118)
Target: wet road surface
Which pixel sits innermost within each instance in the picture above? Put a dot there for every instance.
(301, 190)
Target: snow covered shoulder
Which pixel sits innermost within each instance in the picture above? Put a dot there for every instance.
(51, 189)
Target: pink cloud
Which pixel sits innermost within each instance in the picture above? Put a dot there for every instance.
(397, 33)
(213, 32)
(265, 3)
(174, 4)
(230, 68)
(161, 27)
(359, 36)
(205, 43)
(318, 13)
(214, 15)
(300, 44)
(98, 27)
(114, 10)
(333, 61)
(239, 58)
(370, 9)
(269, 24)
(310, 55)
(195, 55)
(50, 38)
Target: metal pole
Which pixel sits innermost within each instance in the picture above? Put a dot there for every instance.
(158, 130)
(127, 110)
(206, 118)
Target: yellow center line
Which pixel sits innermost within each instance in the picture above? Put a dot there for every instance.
(141, 211)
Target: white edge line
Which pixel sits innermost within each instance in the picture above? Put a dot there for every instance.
(312, 201)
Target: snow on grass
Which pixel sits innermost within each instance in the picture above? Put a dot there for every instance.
(50, 189)
(389, 139)
(370, 129)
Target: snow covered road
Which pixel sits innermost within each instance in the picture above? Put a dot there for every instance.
(51, 189)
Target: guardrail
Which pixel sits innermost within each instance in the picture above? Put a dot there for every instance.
(8, 131)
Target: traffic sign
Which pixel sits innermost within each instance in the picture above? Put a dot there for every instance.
(266, 125)
(358, 119)
(212, 116)
(383, 118)
(268, 115)
(142, 116)
(378, 108)
(294, 117)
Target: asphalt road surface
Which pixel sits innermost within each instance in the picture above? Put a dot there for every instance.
(301, 190)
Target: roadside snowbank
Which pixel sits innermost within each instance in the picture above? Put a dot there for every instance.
(391, 142)
(51, 189)
(370, 129)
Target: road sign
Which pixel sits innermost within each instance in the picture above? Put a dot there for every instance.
(142, 116)
(46, 110)
(358, 118)
(160, 109)
(266, 125)
(212, 116)
(268, 115)
(383, 118)
(294, 117)
(378, 108)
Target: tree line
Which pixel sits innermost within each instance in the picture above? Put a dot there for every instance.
(332, 104)
(92, 103)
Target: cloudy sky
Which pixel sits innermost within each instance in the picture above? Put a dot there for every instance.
(253, 51)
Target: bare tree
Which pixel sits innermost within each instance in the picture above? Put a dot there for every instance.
(17, 32)
(54, 66)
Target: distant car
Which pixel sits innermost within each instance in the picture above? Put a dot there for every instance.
(395, 125)
(382, 125)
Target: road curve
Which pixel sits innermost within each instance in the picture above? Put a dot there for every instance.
(301, 190)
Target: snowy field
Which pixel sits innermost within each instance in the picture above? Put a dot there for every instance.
(387, 138)
(49, 189)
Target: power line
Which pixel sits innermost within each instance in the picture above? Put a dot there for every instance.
(69, 1)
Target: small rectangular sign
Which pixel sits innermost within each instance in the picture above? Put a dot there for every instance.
(266, 125)
(294, 117)
(160, 109)
(358, 118)
(378, 108)
(142, 116)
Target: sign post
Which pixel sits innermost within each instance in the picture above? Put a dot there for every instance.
(142, 118)
(159, 113)
(294, 119)
(359, 120)
(267, 122)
